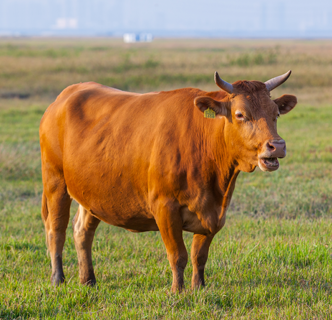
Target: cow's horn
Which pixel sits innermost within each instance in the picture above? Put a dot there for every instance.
(222, 84)
(277, 81)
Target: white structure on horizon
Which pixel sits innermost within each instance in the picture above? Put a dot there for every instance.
(137, 37)
(66, 23)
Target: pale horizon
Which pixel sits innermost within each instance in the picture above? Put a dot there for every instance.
(257, 18)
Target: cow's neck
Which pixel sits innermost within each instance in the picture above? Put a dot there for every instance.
(213, 132)
(221, 163)
(226, 165)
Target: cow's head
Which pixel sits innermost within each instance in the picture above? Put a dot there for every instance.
(250, 126)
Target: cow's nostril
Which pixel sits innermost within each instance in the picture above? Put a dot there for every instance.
(271, 147)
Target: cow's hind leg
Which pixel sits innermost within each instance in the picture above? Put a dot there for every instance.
(55, 213)
(199, 255)
(84, 226)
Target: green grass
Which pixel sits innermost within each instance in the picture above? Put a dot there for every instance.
(41, 67)
(272, 260)
(257, 268)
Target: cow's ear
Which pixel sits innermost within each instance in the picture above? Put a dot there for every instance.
(286, 103)
(220, 108)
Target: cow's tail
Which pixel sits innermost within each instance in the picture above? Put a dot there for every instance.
(44, 214)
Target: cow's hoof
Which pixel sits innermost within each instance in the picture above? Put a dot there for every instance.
(177, 289)
(89, 283)
(57, 279)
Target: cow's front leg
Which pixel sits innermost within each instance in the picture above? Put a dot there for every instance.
(169, 223)
(199, 254)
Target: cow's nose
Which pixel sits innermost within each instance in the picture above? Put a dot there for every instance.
(276, 148)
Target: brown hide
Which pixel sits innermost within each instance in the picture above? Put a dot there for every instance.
(149, 162)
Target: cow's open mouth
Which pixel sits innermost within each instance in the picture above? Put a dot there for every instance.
(268, 164)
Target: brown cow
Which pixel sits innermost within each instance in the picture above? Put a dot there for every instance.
(149, 162)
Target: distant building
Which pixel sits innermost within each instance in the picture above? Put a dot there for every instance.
(137, 37)
(66, 23)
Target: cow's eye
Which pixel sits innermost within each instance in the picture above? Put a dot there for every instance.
(278, 116)
(239, 115)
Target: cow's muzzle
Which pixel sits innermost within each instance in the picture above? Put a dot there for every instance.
(272, 150)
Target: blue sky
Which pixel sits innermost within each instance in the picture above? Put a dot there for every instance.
(242, 18)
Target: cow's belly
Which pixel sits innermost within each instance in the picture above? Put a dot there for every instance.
(135, 221)
(118, 208)
(132, 221)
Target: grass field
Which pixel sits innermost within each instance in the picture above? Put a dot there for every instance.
(272, 260)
